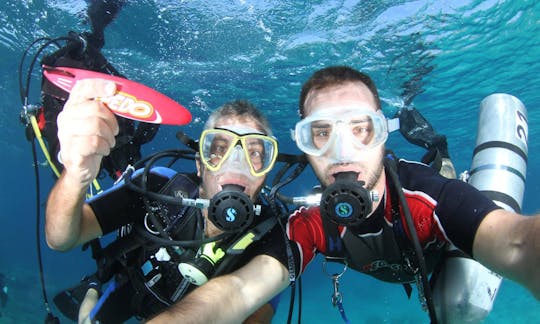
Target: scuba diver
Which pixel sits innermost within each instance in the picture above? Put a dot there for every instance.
(178, 230)
(390, 219)
(78, 50)
(83, 51)
(3, 291)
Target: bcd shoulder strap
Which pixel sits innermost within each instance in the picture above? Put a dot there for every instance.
(391, 161)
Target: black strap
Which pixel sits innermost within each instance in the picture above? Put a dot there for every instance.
(399, 233)
(232, 252)
(334, 243)
(419, 261)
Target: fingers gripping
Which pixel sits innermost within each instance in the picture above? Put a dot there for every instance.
(86, 127)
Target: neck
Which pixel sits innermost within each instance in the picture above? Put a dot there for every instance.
(210, 230)
(380, 188)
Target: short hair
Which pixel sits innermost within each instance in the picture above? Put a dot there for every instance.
(239, 108)
(334, 76)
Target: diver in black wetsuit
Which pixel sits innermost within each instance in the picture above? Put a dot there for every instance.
(3, 292)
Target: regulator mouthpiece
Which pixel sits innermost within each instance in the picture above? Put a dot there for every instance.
(231, 210)
(346, 202)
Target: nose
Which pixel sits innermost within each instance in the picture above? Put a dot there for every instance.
(236, 162)
(237, 155)
(343, 146)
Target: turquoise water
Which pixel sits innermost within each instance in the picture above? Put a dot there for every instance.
(451, 54)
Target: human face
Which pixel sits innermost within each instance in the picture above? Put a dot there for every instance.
(237, 170)
(345, 155)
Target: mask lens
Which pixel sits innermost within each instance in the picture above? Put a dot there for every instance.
(215, 147)
(261, 152)
(363, 131)
(321, 130)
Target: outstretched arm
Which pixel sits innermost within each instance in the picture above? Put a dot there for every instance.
(509, 244)
(230, 298)
(86, 130)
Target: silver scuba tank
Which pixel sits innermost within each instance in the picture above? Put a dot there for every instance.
(464, 290)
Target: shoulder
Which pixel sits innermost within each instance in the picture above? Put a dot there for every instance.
(305, 214)
(305, 222)
(414, 167)
(416, 176)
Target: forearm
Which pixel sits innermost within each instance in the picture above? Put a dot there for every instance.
(86, 132)
(208, 304)
(509, 244)
(230, 298)
(528, 273)
(68, 220)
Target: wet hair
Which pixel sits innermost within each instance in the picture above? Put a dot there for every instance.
(239, 108)
(335, 76)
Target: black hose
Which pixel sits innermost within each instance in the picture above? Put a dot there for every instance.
(415, 242)
(50, 317)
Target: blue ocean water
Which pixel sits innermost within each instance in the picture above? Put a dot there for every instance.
(445, 56)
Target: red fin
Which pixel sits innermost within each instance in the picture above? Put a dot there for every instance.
(132, 100)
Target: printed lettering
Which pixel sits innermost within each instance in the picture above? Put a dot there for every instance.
(126, 104)
(521, 126)
(381, 264)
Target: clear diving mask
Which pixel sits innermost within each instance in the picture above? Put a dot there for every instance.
(332, 128)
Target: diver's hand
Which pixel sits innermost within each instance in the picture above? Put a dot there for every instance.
(417, 130)
(86, 130)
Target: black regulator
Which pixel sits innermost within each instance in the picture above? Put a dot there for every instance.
(346, 202)
(231, 210)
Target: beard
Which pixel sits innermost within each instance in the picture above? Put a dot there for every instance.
(369, 170)
(372, 177)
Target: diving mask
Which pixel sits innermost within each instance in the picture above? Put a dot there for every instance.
(218, 145)
(328, 128)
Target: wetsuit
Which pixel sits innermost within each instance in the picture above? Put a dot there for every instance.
(3, 291)
(445, 211)
(144, 283)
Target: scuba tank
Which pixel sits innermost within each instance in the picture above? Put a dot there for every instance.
(464, 291)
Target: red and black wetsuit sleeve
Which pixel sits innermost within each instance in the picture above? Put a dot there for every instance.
(460, 211)
(305, 230)
(449, 209)
(120, 205)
